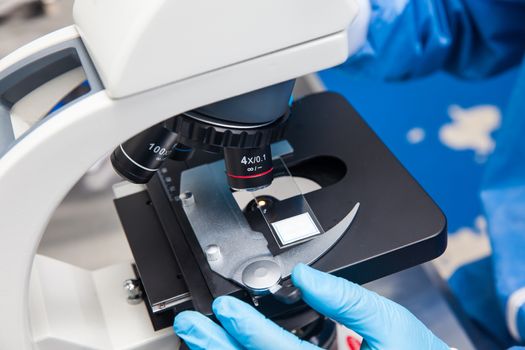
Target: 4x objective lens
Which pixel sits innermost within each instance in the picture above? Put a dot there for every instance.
(249, 169)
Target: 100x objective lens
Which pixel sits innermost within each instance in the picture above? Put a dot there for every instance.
(139, 158)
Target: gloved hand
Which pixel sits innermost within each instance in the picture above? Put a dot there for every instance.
(383, 324)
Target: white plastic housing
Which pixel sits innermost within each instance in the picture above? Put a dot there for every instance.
(140, 45)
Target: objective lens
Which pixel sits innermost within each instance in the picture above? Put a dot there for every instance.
(249, 169)
(140, 157)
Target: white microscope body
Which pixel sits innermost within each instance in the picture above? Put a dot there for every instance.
(145, 62)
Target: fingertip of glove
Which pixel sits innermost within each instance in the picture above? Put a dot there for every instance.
(183, 322)
(300, 268)
(225, 305)
(300, 274)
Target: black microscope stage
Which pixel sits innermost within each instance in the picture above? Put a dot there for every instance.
(397, 226)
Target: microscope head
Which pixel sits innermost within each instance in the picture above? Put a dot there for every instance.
(138, 48)
(246, 57)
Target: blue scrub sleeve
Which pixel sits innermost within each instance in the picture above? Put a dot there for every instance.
(468, 38)
(503, 196)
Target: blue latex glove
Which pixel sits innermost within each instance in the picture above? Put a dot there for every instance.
(382, 323)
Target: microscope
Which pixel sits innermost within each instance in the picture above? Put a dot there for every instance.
(229, 181)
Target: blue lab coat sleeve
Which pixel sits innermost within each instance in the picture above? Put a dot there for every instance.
(503, 196)
(468, 38)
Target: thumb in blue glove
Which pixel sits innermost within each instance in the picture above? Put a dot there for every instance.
(382, 323)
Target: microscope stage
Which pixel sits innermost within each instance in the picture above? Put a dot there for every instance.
(397, 226)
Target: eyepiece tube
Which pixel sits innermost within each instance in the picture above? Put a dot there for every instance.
(249, 169)
(141, 156)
